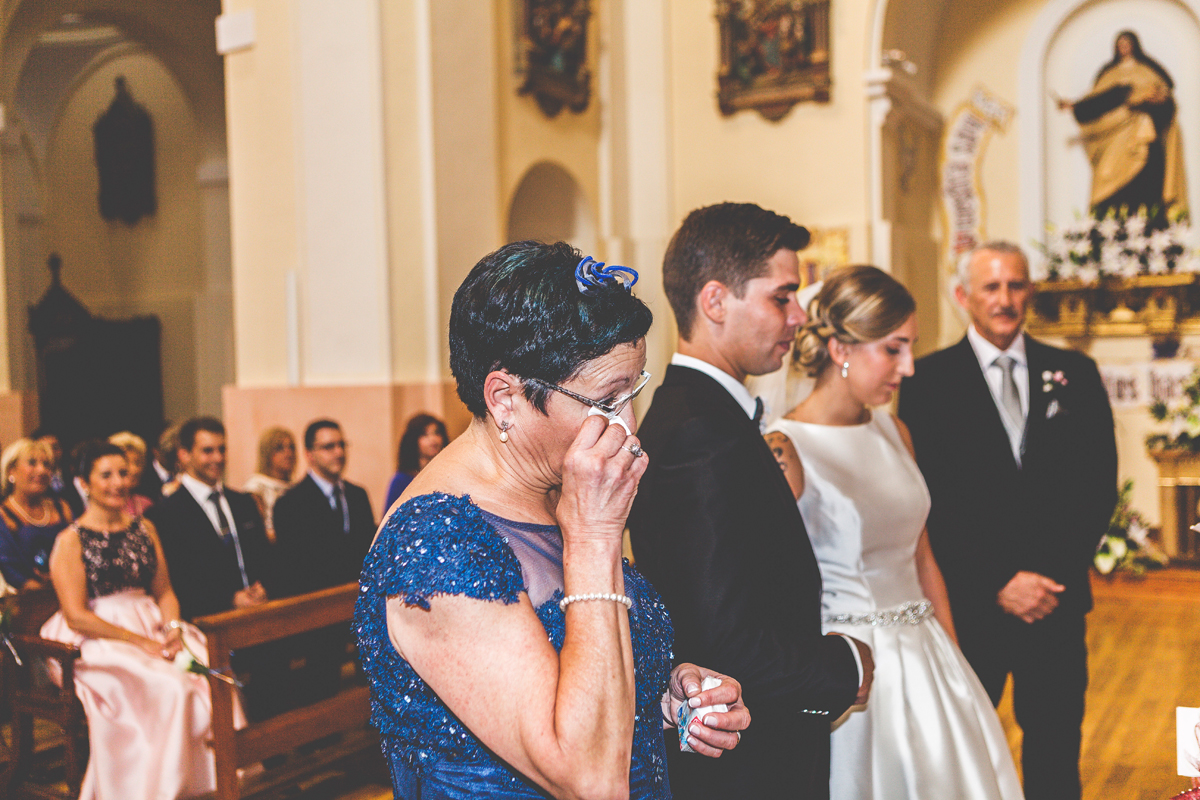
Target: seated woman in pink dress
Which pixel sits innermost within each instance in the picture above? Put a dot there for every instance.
(148, 720)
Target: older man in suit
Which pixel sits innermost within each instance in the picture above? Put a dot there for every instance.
(715, 526)
(323, 529)
(1015, 439)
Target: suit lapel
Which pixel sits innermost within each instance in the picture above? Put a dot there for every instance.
(202, 520)
(698, 384)
(1037, 356)
(977, 399)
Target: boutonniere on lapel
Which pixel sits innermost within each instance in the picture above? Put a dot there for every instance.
(1051, 383)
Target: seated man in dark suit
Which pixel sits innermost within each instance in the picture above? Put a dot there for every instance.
(214, 541)
(323, 528)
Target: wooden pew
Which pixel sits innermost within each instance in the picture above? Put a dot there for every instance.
(348, 711)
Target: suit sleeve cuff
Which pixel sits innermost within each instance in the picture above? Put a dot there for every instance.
(854, 652)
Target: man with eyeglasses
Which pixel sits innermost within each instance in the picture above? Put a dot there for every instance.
(714, 525)
(323, 528)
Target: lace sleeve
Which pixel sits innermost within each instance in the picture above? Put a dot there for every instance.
(440, 544)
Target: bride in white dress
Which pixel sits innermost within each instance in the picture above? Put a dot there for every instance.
(929, 730)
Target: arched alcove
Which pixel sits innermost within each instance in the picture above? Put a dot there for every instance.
(549, 206)
(59, 64)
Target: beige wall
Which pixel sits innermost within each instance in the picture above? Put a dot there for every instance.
(155, 266)
(527, 136)
(263, 196)
(811, 165)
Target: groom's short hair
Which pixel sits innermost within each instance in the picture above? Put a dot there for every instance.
(729, 243)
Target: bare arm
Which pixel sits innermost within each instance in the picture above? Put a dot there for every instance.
(788, 459)
(164, 595)
(70, 584)
(932, 585)
(929, 575)
(564, 719)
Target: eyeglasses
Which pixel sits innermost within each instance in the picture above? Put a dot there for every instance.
(611, 408)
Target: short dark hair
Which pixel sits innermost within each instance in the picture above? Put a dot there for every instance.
(42, 431)
(520, 310)
(310, 433)
(730, 243)
(189, 429)
(409, 456)
(85, 455)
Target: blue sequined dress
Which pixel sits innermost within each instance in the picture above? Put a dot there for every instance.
(440, 544)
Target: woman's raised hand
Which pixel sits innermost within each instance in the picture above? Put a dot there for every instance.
(601, 471)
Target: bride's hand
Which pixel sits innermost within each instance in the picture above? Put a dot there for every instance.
(718, 731)
(600, 479)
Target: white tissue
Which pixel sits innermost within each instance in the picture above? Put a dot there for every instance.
(687, 714)
(595, 412)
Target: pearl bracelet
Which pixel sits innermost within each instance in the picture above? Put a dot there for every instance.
(575, 598)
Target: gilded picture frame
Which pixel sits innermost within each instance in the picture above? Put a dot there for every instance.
(773, 54)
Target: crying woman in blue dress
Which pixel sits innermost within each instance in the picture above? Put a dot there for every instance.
(510, 650)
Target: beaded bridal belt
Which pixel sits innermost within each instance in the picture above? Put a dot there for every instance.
(907, 614)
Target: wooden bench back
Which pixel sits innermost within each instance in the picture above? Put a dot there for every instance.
(277, 619)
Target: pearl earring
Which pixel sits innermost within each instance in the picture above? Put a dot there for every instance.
(504, 426)
(845, 368)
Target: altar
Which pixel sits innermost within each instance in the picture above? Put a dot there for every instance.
(1166, 480)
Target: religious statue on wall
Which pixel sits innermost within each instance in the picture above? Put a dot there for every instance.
(1131, 135)
(124, 138)
(553, 54)
(774, 54)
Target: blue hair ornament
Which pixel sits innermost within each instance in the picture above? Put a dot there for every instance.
(593, 277)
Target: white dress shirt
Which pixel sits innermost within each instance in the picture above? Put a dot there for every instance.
(749, 404)
(987, 353)
(202, 491)
(327, 488)
(747, 401)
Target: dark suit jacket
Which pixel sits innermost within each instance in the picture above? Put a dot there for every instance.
(312, 549)
(716, 529)
(991, 519)
(203, 569)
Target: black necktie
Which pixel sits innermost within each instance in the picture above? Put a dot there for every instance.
(229, 536)
(222, 521)
(758, 411)
(340, 500)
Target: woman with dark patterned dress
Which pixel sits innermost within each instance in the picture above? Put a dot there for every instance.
(148, 719)
(510, 651)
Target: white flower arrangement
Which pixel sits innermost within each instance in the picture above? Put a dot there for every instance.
(1126, 545)
(1121, 244)
(1182, 419)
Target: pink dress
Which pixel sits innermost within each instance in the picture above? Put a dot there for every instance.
(148, 721)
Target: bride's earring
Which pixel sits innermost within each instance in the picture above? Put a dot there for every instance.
(504, 426)
(845, 368)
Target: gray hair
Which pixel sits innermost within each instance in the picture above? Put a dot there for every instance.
(962, 269)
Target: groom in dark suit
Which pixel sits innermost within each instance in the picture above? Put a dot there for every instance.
(715, 526)
(1015, 439)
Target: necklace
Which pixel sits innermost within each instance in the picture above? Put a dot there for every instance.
(28, 515)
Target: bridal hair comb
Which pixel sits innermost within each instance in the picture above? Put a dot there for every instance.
(593, 277)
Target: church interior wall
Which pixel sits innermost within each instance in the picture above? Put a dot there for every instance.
(811, 165)
(152, 267)
(980, 45)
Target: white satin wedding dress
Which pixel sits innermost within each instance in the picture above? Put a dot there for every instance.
(928, 730)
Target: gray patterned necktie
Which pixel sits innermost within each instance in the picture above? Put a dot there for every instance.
(1010, 398)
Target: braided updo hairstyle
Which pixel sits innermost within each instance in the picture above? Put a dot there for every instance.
(857, 304)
